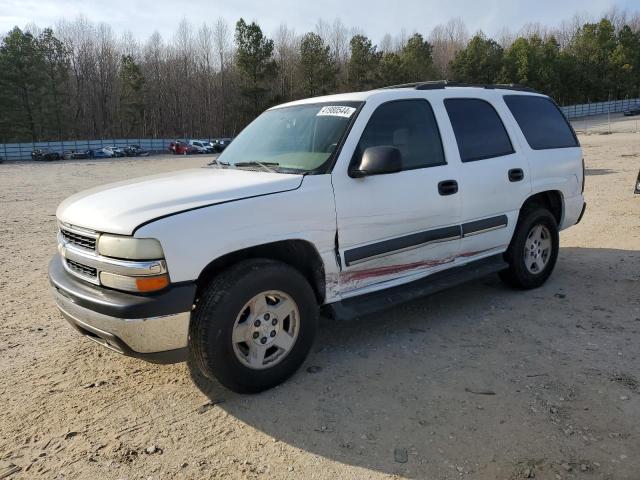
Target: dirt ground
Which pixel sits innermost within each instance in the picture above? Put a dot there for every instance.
(480, 382)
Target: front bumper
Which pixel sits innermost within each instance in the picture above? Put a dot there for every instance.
(153, 327)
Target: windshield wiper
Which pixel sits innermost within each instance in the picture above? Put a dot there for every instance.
(216, 162)
(264, 165)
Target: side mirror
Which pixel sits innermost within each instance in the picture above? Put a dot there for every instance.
(377, 161)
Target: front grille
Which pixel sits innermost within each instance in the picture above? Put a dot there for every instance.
(82, 269)
(83, 241)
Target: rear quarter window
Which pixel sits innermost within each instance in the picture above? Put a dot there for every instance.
(541, 121)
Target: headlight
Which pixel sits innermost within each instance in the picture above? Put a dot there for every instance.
(129, 248)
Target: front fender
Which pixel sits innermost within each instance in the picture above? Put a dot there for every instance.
(193, 239)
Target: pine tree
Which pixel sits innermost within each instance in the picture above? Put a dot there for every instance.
(254, 59)
(317, 68)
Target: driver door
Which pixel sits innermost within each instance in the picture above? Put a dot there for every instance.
(397, 227)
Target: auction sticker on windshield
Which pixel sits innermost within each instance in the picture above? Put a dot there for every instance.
(336, 111)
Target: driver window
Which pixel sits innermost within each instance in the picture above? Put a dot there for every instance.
(408, 125)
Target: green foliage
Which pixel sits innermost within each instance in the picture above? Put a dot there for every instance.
(417, 62)
(55, 68)
(391, 69)
(591, 50)
(363, 64)
(50, 90)
(533, 62)
(132, 94)
(317, 68)
(625, 60)
(479, 62)
(21, 84)
(33, 76)
(254, 59)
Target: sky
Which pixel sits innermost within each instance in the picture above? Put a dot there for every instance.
(374, 17)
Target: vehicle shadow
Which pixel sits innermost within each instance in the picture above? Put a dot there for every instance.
(449, 379)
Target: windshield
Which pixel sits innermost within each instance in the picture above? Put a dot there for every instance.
(301, 138)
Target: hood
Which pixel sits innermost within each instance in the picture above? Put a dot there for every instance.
(121, 207)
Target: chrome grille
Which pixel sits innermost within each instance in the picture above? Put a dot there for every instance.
(82, 241)
(81, 269)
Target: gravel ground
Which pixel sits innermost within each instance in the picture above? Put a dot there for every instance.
(479, 382)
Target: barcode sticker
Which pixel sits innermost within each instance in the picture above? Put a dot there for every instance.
(336, 111)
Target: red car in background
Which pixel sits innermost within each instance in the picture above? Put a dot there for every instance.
(180, 147)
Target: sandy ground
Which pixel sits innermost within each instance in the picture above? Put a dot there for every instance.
(399, 394)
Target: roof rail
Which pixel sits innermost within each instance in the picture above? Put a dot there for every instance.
(512, 86)
(441, 84)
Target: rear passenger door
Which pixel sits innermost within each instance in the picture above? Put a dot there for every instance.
(494, 176)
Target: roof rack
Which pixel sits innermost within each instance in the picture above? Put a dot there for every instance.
(441, 84)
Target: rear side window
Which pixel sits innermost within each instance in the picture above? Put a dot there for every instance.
(541, 122)
(408, 125)
(479, 131)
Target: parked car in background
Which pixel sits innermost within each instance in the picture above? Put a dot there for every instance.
(221, 143)
(180, 147)
(198, 145)
(77, 155)
(135, 151)
(632, 112)
(117, 151)
(40, 154)
(203, 146)
(101, 153)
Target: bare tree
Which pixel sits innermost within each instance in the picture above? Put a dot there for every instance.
(446, 40)
(286, 52)
(386, 44)
(223, 47)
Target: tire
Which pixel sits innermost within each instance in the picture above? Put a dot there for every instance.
(532, 269)
(224, 312)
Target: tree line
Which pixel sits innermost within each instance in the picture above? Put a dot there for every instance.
(79, 80)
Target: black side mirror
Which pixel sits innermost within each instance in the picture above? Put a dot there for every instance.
(377, 161)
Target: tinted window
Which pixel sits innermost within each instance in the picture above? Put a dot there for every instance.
(408, 125)
(479, 131)
(541, 122)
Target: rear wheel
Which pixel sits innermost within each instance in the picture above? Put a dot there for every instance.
(533, 251)
(254, 325)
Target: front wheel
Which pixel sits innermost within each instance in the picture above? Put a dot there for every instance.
(533, 251)
(254, 325)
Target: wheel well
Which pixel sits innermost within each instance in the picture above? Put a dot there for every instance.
(551, 200)
(299, 254)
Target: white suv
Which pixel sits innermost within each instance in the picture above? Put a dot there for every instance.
(347, 204)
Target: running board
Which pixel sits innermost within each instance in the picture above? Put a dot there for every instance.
(373, 302)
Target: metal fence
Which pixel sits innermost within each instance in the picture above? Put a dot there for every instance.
(599, 108)
(22, 151)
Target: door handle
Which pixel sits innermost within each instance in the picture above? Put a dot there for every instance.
(516, 174)
(448, 187)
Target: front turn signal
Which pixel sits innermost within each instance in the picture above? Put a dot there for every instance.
(151, 284)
